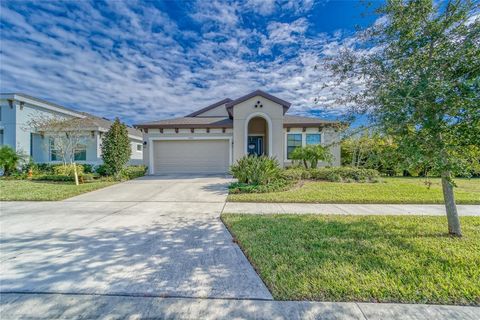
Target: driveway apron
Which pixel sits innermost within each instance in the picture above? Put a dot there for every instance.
(157, 236)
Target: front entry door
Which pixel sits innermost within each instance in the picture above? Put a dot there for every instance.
(255, 145)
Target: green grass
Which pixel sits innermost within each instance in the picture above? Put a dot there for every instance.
(362, 258)
(388, 190)
(24, 190)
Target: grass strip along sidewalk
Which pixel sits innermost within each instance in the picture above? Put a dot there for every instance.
(26, 190)
(407, 259)
(388, 190)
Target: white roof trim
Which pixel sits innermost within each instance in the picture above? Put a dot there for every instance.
(45, 105)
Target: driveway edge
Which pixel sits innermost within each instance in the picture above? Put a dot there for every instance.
(54, 306)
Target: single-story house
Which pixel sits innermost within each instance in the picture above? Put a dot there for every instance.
(211, 139)
(17, 111)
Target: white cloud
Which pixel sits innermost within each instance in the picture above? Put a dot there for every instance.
(263, 7)
(138, 69)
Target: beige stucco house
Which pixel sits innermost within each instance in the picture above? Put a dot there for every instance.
(211, 139)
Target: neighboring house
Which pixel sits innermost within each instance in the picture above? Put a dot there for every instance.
(211, 139)
(16, 112)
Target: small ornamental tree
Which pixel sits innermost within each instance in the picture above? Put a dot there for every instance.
(116, 149)
(312, 154)
(65, 135)
(420, 69)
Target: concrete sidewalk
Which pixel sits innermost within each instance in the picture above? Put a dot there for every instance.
(347, 209)
(55, 306)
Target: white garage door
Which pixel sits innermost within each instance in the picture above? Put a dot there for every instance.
(191, 156)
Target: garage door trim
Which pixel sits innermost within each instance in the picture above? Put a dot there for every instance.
(151, 168)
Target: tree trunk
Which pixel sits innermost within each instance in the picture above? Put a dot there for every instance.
(75, 173)
(450, 206)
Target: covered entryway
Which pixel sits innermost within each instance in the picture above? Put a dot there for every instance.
(257, 136)
(191, 156)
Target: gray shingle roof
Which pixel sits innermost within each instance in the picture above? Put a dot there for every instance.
(193, 121)
(210, 107)
(105, 125)
(216, 122)
(297, 120)
(190, 122)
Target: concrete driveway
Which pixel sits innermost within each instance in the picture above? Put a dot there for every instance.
(154, 236)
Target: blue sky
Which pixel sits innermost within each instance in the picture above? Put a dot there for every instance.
(148, 60)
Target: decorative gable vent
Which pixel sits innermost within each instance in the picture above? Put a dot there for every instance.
(258, 105)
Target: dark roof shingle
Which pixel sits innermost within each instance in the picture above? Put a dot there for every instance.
(189, 122)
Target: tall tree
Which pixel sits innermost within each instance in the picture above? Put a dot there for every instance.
(116, 149)
(420, 68)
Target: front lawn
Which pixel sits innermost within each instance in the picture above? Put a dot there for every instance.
(362, 258)
(24, 190)
(388, 190)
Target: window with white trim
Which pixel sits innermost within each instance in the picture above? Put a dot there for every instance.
(313, 139)
(54, 153)
(294, 140)
(139, 147)
(80, 152)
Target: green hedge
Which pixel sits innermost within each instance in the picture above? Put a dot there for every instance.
(336, 174)
(53, 177)
(240, 187)
(68, 170)
(132, 172)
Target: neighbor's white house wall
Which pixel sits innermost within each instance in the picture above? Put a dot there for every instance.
(17, 133)
(328, 137)
(137, 156)
(273, 112)
(7, 123)
(17, 123)
(183, 134)
(42, 153)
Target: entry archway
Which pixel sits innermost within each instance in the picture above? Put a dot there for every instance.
(258, 134)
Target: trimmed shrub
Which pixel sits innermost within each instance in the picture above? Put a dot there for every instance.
(296, 174)
(86, 177)
(9, 160)
(336, 174)
(88, 168)
(132, 172)
(278, 185)
(256, 170)
(67, 170)
(345, 174)
(102, 170)
(53, 177)
(41, 168)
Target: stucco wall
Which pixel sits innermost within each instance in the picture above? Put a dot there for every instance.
(270, 110)
(7, 123)
(328, 136)
(15, 123)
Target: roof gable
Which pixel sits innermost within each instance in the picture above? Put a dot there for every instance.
(208, 108)
(283, 103)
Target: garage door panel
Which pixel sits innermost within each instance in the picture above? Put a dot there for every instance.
(191, 156)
